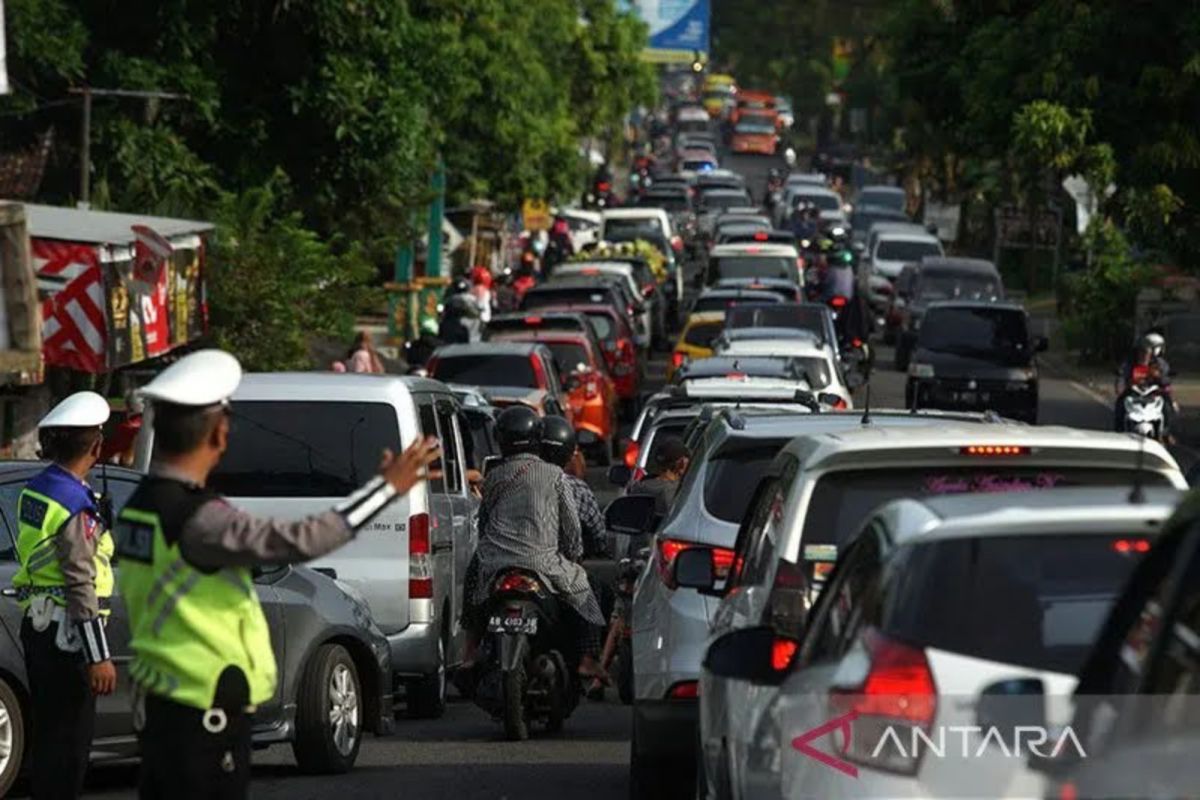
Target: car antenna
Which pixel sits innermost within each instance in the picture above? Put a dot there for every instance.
(1138, 495)
(866, 417)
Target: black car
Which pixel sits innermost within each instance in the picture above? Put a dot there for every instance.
(334, 663)
(937, 279)
(975, 357)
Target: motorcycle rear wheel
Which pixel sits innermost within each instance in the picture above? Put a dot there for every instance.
(516, 726)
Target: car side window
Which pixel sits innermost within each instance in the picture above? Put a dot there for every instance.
(9, 493)
(429, 428)
(853, 589)
(764, 535)
(451, 468)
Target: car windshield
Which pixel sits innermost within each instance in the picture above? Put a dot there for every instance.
(802, 317)
(754, 127)
(750, 266)
(861, 221)
(303, 448)
(1034, 601)
(569, 356)
(603, 325)
(841, 501)
(961, 286)
(490, 369)
(642, 226)
(887, 199)
(697, 166)
(713, 201)
(900, 250)
(667, 202)
(702, 334)
(991, 333)
(731, 475)
(824, 202)
(551, 296)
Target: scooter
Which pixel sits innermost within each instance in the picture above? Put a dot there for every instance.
(528, 670)
(1144, 410)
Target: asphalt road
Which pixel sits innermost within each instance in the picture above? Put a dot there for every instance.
(463, 756)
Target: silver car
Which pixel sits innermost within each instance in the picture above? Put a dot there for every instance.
(818, 492)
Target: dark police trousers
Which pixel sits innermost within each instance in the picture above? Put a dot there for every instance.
(64, 713)
(184, 760)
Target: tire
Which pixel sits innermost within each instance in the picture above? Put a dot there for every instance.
(426, 697)
(12, 733)
(330, 684)
(516, 726)
(625, 671)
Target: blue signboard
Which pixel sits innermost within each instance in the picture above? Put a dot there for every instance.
(678, 28)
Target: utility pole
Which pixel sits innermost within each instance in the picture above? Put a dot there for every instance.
(85, 133)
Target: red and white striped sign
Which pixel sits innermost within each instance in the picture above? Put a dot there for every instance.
(74, 324)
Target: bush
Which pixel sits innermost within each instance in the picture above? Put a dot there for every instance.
(1102, 298)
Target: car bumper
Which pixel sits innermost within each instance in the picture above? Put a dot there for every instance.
(666, 728)
(414, 650)
(960, 395)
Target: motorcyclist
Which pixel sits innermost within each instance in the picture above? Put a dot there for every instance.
(559, 448)
(806, 219)
(461, 314)
(560, 247)
(417, 351)
(1147, 362)
(528, 520)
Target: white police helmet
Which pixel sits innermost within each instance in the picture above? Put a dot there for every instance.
(203, 378)
(80, 410)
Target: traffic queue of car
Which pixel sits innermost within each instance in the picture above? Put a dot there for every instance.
(881, 602)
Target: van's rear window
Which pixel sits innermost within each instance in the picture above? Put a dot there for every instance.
(733, 472)
(304, 448)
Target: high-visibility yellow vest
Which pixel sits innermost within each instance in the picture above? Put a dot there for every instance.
(187, 626)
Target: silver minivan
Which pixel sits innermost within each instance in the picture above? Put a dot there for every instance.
(302, 441)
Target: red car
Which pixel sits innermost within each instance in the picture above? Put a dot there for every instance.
(590, 389)
(620, 351)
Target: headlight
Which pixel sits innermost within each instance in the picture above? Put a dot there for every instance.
(920, 370)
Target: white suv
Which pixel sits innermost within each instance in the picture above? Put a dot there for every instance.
(821, 488)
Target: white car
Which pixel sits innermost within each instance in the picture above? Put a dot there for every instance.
(670, 624)
(823, 372)
(816, 497)
(741, 261)
(1030, 579)
(656, 219)
(584, 227)
(892, 249)
(827, 201)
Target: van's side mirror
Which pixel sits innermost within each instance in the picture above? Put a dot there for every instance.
(830, 399)
(619, 474)
(1041, 344)
(632, 515)
(753, 655)
(694, 569)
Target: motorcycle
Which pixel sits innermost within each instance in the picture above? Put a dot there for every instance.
(1145, 406)
(528, 668)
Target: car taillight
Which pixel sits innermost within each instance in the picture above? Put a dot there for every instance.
(837, 301)
(516, 582)
(630, 457)
(760, 236)
(626, 350)
(722, 559)
(603, 186)
(684, 690)
(420, 565)
(781, 653)
(1068, 791)
(676, 244)
(856, 342)
(677, 359)
(539, 372)
(899, 691)
(839, 404)
(994, 450)
(1131, 546)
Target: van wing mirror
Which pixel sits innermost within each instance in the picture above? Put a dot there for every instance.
(694, 569)
(632, 515)
(755, 655)
(619, 474)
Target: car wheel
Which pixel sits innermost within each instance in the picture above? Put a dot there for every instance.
(427, 696)
(328, 713)
(12, 737)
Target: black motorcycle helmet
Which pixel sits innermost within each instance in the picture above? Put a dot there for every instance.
(558, 440)
(519, 430)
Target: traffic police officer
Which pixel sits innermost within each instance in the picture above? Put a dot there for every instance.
(64, 584)
(202, 650)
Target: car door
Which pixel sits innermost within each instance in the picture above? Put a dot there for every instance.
(453, 552)
(441, 511)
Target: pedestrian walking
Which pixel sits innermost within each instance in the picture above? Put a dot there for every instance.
(202, 657)
(64, 583)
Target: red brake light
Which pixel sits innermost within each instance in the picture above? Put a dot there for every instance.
(677, 359)
(781, 653)
(722, 559)
(1068, 791)
(839, 404)
(837, 301)
(533, 320)
(420, 564)
(1131, 546)
(631, 454)
(604, 186)
(516, 582)
(676, 244)
(856, 342)
(760, 236)
(994, 450)
(589, 271)
(684, 690)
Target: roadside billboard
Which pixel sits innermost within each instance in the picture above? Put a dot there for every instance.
(679, 29)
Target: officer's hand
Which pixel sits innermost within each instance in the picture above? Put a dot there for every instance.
(405, 470)
(102, 677)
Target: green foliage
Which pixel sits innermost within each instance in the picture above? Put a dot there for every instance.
(1103, 296)
(274, 284)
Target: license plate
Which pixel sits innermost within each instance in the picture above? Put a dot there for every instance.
(527, 625)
